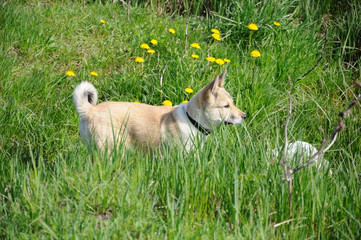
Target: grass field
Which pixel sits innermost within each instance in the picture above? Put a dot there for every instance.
(53, 187)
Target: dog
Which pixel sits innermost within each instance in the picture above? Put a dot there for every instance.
(145, 126)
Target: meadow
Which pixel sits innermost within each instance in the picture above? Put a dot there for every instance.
(52, 186)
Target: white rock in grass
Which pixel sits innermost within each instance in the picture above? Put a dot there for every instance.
(302, 151)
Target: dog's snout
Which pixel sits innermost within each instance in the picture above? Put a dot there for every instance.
(244, 116)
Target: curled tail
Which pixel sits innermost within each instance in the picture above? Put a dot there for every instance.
(85, 95)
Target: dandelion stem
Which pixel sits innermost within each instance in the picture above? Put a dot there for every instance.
(193, 65)
(250, 37)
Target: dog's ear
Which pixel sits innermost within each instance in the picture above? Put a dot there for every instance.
(212, 87)
(218, 82)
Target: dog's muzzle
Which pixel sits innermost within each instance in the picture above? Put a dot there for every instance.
(232, 123)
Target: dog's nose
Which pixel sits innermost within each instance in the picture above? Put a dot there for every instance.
(244, 116)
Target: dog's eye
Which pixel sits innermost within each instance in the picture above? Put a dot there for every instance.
(227, 106)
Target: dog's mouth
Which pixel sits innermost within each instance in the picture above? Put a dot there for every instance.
(232, 123)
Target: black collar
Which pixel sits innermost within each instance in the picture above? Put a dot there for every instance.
(198, 126)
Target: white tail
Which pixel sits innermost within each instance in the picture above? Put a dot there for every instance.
(85, 95)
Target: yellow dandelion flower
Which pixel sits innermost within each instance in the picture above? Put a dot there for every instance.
(277, 24)
(210, 59)
(167, 103)
(136, 102)
(227, 60)
(172, 31)
(216, 36)
(93, 73)
(195, 45)
(70, 73)
(195, 56)
(154, 42)
(185, 101)
(145, 46)
(103, 21)
(255, 54)
(151, 51)
(188, 90)
(216, 31)
(220, 61)
(252, 27)
(139, 60)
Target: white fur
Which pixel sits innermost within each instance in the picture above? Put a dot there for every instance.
(149, 126)
(82, 93)
(188, 132)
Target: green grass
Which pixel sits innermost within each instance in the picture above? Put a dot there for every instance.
(53, 186)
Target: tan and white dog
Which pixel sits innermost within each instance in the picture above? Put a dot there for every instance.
(146, 126)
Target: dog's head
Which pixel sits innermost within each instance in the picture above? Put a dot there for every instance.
(217, 103)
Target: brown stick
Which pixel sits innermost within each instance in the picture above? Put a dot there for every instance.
(186, 38)
(331, 140)
(284, 162)
(283, 158)
(185, 41)
(161, 79)
(323, 53)
(128, 5)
